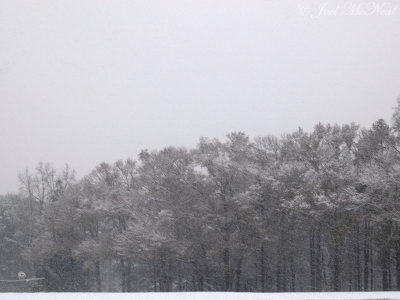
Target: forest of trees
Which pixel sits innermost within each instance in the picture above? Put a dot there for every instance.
(316, 211)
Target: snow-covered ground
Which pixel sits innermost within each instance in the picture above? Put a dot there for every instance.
(202, 296)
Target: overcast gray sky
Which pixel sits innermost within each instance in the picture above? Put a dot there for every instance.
(87, 81)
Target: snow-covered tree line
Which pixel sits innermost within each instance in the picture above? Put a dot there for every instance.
(316, 211)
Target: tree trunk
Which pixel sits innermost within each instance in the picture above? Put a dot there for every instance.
(384, 278)
(319, 260)
(284, 277)
(390, 276)
(371, 263)
(129, 276)
(278, 278)
(256, 275)
(386, 269)
(292, 275)
(123, 275)
(227, 277)
(206, 270)
(366, 256)
(262, 268)
(312, 260)
(358, 261)
(239, 272)
(97, 276)
(154, 273)
(398, 266)
(336, 267)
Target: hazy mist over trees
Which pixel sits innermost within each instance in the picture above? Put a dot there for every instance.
(307, 211)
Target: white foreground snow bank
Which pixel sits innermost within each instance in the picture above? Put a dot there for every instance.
(203, 296)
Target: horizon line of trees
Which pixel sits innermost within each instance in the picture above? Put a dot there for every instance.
(314, 211)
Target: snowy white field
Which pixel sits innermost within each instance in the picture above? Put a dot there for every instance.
(204, 296)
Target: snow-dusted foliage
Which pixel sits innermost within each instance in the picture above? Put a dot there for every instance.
(311, 211)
